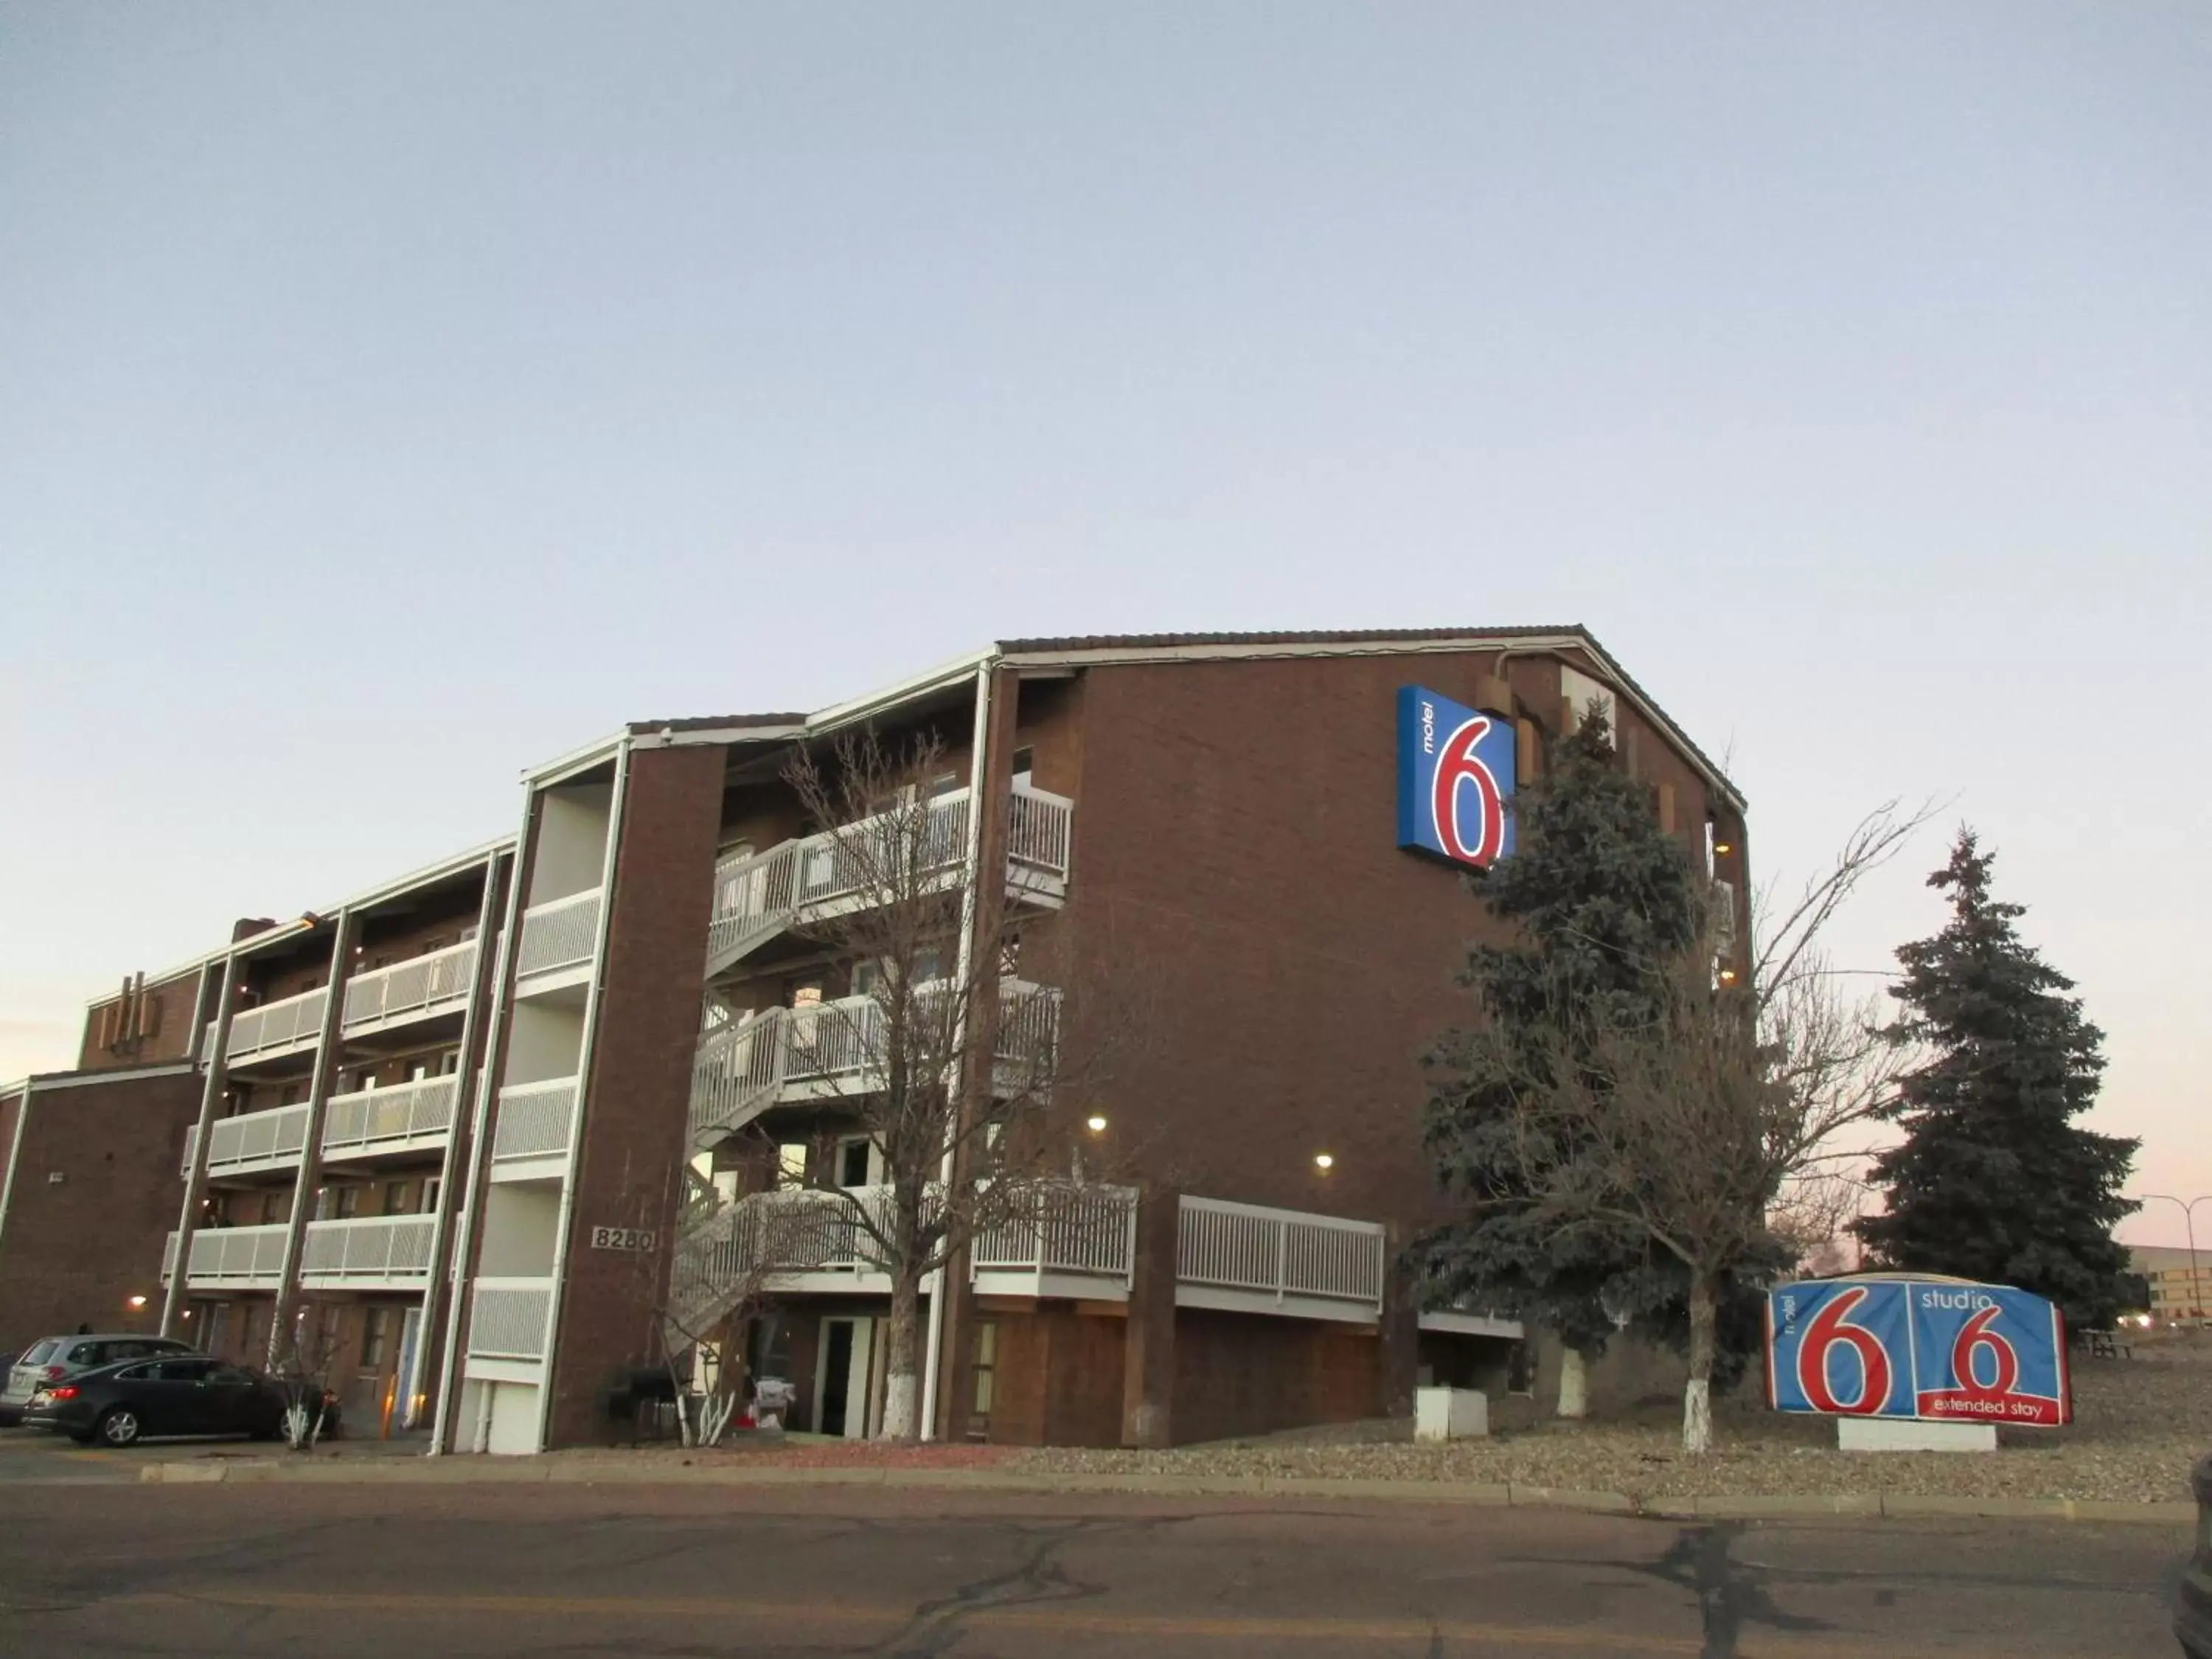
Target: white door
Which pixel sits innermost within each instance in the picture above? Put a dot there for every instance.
(858, 1395)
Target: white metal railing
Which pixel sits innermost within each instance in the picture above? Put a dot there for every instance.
(738, 1068)
(1037, 831)
(272, 1025)
(746, 1065)
(535, 1120)
(400, 1113)
(230, 1255)
(1065, 1228)
(273, 1135)
(739, 1249)
(422, 985)
(369, 1246)
(557, 935)
(1278, 1252)
(507, 1318)
(757, 893)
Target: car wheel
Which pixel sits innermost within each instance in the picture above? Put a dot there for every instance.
(119, 1427)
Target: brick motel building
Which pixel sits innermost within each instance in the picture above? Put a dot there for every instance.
(476, 1122)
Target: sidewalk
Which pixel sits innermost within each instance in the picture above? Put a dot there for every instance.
(646, 1468)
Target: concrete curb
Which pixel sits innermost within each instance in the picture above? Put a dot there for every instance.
(526, 1470)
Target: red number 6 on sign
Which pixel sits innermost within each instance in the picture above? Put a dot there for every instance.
(1829, 1326)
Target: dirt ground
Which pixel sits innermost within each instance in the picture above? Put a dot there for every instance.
(2140, 1423)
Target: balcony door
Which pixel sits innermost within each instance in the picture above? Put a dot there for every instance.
(860, 1162)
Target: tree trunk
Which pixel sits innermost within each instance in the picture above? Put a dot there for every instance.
(1697, 1392)
(1574, 1384)
(901, 1382)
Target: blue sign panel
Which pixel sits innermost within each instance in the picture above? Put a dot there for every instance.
(1455, 772)
(1944, 1349)
(1840, 1346)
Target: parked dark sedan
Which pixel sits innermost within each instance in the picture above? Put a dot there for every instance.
(118, 1405)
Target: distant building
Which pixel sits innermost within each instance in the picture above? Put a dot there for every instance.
(473, 1123)
(2180, 1288)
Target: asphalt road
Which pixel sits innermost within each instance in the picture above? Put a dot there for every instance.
(246, 1571)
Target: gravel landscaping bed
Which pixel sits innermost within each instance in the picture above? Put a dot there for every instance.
(2141, 1424)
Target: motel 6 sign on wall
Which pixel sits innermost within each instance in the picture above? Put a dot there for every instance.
(1455, 772)
(1946, 1350)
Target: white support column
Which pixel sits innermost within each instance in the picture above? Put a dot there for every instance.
(311, 1151)
(456, 1271)
(196, 1178)
(978, 778)
(484, 990)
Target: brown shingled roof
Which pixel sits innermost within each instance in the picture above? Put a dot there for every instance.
(1310, 636)
(715, 722)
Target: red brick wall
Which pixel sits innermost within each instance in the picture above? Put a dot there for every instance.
(167, 1022)
(1244, 1374)
(72, 1250)
(630, 1169)
(1235, 856)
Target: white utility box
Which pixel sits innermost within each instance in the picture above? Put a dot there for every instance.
(1450, 1413)
(1909, 1434)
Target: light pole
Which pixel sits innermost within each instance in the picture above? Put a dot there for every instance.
(2189, 1222)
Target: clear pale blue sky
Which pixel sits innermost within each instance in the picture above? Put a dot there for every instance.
(391, 396)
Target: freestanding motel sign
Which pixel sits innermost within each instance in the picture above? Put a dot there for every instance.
(1917, 1348)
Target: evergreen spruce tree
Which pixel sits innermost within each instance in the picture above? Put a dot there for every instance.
(1993, 1181)
(1604, 898)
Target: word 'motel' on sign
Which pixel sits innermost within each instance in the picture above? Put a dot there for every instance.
(1455, 768)
(1943, 1349)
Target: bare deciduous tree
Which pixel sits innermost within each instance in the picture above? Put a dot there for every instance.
(951, 1066)
(304, 1362)
(1718, 1118)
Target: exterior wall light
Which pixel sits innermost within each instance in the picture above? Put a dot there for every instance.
(1723, 847)
(135, 1302)
(1324, 1162)
(1094, 1123)
(1728, 975)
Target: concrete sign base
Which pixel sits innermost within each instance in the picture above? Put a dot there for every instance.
(1907, 1434)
